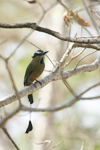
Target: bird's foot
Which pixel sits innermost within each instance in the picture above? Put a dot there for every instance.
(39, 82)
(32, 83)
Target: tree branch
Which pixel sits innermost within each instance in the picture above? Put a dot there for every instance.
(46, 80)
(4, 119)
(50, 109)
(10, 138)
(60, 107)
(34, 26)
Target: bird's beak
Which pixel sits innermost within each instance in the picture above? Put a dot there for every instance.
(44, 52)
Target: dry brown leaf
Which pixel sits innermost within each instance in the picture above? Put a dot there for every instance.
(81, 21)
(68, 18)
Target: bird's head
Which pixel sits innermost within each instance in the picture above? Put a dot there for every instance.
(39, 53)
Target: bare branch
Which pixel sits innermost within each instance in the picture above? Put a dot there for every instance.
(10, 138)
(91, 17)
(6, 118)
(13, 83)
(73, 57)
(90, 88)
(52, 109)
(12, 80)
(90, 98)
(44, 142)
(63, 106)
(84, 57)
(67, 84)
(34, 26)
(82, 146)
(49, 78)
(56, 145)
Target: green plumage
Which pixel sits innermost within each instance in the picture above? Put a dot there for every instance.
(34, 70)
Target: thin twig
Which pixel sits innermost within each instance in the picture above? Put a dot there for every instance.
(35, 26)
(82, 146)
(95, 85)
(44, 142)
(11, 78)
(94, 24)
(83, 58)
(7, 117)
(56, 145)
(73, 57)
(95, 12)
(13, 83)
(10, 138)
(75, 17)
(39, 48)
(67, 84)
(3, 41)
(90, 98)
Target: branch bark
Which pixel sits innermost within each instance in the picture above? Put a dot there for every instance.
(4, 119)
(49, 78)
(34, 26)
(10, 138)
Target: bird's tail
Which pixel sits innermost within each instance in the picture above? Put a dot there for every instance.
(30, 127)
(30, 97)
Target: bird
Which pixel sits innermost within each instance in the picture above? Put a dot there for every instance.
(34, 70)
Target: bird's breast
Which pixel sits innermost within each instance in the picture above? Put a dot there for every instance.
(37, 71)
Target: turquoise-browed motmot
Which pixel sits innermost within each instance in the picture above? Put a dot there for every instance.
(34, 70)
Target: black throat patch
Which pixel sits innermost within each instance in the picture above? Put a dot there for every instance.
(41, 61)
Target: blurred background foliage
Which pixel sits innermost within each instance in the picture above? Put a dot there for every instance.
(72, 126)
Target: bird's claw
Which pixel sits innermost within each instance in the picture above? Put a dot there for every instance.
(39, 82)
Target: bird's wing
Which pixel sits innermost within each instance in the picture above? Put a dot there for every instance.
(29, 70)
(25, 79)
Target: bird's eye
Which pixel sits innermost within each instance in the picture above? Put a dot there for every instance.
(35, 54)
